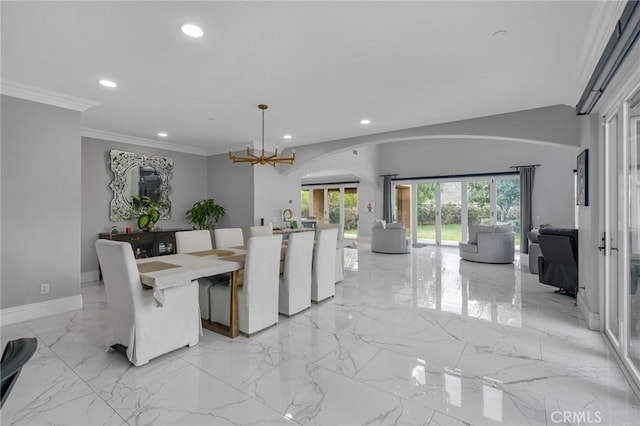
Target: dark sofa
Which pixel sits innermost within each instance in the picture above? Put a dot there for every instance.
(558, 263)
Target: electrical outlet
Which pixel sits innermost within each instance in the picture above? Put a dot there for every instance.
(44, 288)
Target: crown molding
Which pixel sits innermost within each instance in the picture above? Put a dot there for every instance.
(603, 23)
(133, 140)
(43, 96)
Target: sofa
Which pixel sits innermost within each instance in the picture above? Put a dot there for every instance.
(558, 262)
(489, 244)
(389, 238)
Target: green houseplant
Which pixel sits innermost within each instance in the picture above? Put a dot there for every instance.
(205, 214)
(147, 211)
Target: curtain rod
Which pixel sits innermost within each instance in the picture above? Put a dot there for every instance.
(457, 176)
(528, 165)
(347, 182)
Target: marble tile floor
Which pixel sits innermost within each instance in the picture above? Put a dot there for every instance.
(416, 339)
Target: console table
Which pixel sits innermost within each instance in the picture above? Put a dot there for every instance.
(148, 244)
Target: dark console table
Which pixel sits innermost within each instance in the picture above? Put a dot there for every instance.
(148, 244)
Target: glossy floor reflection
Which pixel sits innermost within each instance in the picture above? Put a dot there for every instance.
(416, 339)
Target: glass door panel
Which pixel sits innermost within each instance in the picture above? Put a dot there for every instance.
(451, 212)
(479, 202)
(333, 197)
(351, 212)
(612, 295)
(508, 204)
(633, 274)
(304, 203)
(426, 212)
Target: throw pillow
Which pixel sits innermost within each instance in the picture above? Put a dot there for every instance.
(474, 230)
(379, 224)
(504, 228)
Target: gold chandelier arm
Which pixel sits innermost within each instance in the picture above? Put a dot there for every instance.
(263, 158)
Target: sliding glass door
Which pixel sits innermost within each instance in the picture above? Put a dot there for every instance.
(336, 204)
(633, 231)
(438, 211)
(620, 243)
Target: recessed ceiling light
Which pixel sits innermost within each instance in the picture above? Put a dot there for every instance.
(192, 30)
(108, 83)
(162, 134)
(365, 121)
(287, 136)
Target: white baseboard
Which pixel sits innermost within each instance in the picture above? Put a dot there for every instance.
(592, 318)
(41, 309)
(86, 277)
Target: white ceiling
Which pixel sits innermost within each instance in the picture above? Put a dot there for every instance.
(320, 66)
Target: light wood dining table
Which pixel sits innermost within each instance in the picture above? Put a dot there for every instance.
(175, 270)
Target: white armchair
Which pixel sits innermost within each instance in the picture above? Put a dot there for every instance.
(134, 321)
(323, 275)
(295, 281)
(489, 244)
(258, 295)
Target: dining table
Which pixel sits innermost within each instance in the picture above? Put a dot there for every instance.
(176, 270)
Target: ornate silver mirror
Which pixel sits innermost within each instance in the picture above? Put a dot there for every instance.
(135, 174)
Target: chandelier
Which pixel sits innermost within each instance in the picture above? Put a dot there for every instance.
(262, 158)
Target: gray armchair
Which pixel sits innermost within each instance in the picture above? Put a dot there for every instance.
(390, 238)
(489, 244)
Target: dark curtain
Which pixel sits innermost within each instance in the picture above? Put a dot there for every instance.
(527, 174)
(387, 199)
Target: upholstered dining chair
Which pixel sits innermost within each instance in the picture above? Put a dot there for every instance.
(295, 281)
(15, 355)
(324, 263)
(258, 295)
(339, 247)
(199, 240)
(228, 237)
(258, 231)
(134, 321)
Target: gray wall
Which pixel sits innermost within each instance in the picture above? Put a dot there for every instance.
(40, 231)
(231, 185)
(188, 185)
(588, 218)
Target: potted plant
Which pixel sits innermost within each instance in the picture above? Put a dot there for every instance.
(147, 211)
(205, 214)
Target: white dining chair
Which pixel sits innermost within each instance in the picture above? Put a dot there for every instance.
(258, 231)
(192, 241)
(323, 275)
(228, 237)
(295, 281)
(258, 295)
(339, 247)
(135, 322)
